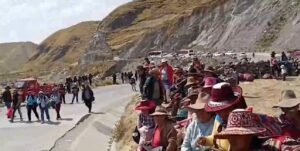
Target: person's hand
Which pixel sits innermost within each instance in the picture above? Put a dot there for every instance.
(201, 141)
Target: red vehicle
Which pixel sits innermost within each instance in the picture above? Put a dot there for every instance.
(27, 85)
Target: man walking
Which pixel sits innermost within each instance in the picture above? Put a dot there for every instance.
(7, 98)
(75, 91)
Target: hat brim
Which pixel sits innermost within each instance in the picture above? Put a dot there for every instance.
(196, 106)
(239, 132)
(287, 103)
(210, 71)
(212, 106)
(159, 114)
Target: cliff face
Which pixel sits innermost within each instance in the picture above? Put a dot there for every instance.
(169, 25)
(15, 55)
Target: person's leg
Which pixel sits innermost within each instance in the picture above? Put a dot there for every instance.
(77, 97)
(20, 113)
(73, 98)
(42, 114)
(13, 115)
(64, 98)
(29, 113)
(36, 113)
(57, 109)
(47, 113)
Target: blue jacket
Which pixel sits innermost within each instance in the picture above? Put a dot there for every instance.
(31, 100)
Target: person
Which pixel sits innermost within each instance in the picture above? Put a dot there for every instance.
(114, 78)
(146, 122)
(224, 99)
(90, 77)
(88, 97)
(166, 76)
(253, 54)
(43, 102)
(197, 64)
(209, 71)
(289, 120)
(283, 72)
(75, 80)
(284, 58)
(31, 106)
(7, 98)
(133, 84)
(153, 89)
(165, 135)
(75, 92)
(242, 132)
(55, 98)
(136, 75)
(62, 92)
(201, 126)
(274, 64)
(17, 100)
(142, 74)
(122, 77)
(209, 82)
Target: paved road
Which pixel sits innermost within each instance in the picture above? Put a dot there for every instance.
(22, 136)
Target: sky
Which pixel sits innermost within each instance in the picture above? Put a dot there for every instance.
(35, 20)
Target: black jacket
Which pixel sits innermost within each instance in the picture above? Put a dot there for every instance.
(6, 96)
(91, 93)
(149, 88)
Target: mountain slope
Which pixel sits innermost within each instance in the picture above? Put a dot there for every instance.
(65, 46)
(138, 27)
(15, 55)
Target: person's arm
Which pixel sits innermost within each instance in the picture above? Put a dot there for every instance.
(172, 140)
(186, 145)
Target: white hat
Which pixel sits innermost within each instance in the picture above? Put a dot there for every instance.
(164, 60)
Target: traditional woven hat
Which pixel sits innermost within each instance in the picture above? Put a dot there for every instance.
(160, 111)
(191, 81)
(240, 122)
(288, 100)
(223, 96)
(209, 69)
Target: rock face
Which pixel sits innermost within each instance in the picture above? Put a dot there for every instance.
(15, 55)
(141, 26)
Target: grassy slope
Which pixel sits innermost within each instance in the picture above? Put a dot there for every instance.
(64, 46)
(15, 55)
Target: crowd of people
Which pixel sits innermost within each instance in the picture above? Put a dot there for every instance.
(47, 99)
(198, 110)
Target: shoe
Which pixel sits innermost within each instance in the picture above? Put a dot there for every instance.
(42, 122)
(11, 121)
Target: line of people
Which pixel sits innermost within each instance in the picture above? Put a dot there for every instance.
(44, 101)
(195, 110)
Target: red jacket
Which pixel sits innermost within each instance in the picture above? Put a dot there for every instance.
(170, 73)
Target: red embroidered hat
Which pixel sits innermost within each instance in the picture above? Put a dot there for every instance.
(240, 122)
(145, 105)
(223, 96)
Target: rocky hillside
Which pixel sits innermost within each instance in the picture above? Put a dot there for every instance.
(243, 25)
(64, 47)
(15, 55)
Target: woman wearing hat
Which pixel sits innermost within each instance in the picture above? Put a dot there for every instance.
(201, 126)
(242, 132)
(289, 120)
(224, 99)
(165, 135)
(153, 88)
(32, 105)
(146, 122)
(166, 76)
(17, 100)
(43, 102)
